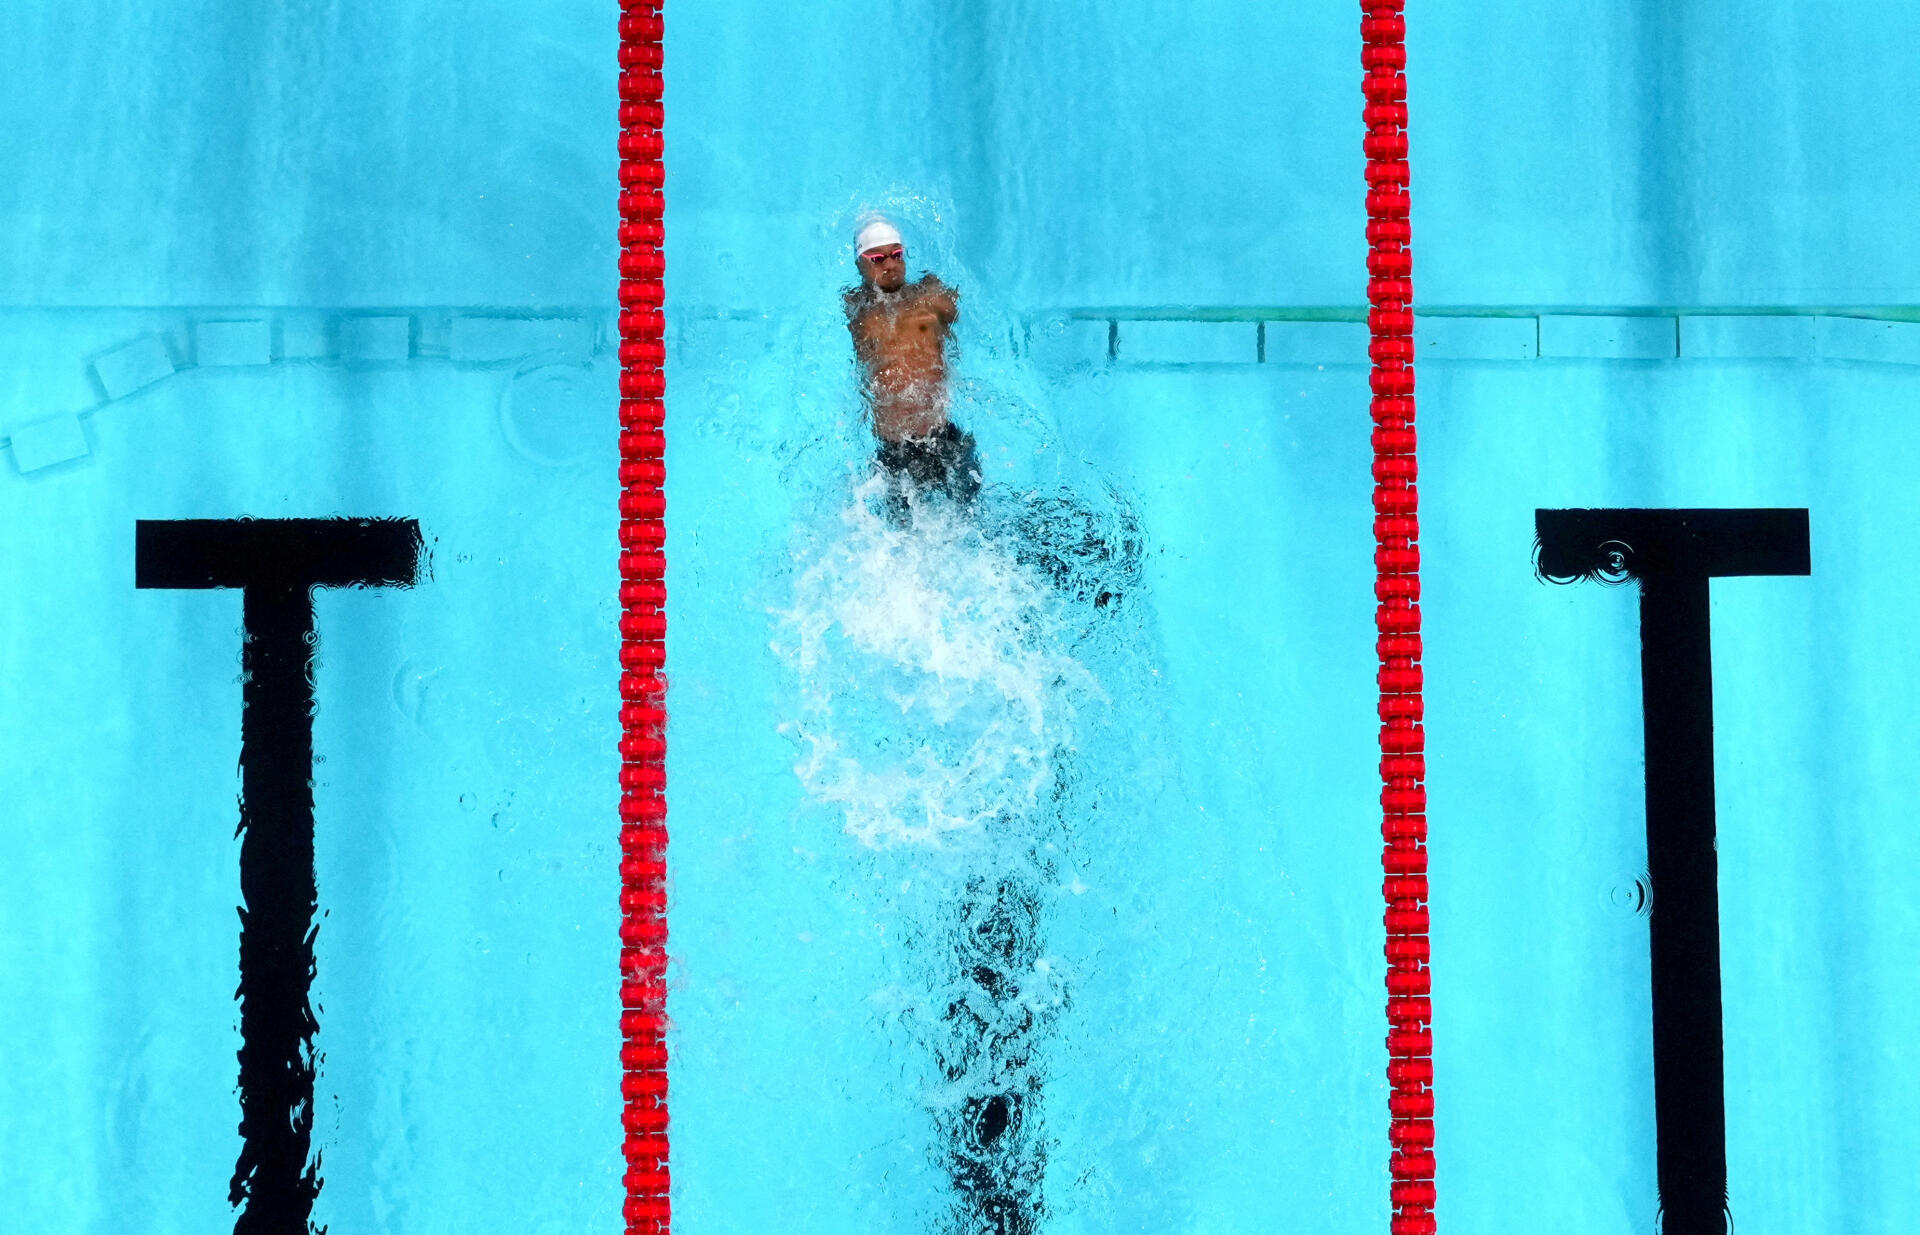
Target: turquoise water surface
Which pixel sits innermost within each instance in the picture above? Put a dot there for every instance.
(1072, 798)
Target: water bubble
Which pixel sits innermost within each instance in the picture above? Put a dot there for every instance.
(1631, 897)
(1615, 562)
(557, 414)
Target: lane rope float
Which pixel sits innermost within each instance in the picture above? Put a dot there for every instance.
(643, 625)
(1396, 559)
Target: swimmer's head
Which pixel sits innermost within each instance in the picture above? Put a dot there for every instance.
(880, 255)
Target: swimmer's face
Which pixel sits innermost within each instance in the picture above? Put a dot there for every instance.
(884, 267)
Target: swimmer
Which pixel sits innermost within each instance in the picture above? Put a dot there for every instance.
(994, 1146)
(900, 334)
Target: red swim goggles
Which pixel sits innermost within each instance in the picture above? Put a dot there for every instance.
(885, 255)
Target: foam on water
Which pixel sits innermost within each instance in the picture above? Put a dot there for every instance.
(935, 688)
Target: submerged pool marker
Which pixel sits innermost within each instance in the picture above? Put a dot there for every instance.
(643, 625)
(1674, 555)
(1396, 559)
(277, 564)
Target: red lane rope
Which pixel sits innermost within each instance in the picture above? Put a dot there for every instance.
(1396, 559)
(643, 625)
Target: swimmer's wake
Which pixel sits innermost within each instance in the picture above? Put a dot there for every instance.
(938, 710)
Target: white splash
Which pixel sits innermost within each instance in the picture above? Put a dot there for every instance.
(934, 691)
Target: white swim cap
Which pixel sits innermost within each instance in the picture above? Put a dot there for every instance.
(875, 232)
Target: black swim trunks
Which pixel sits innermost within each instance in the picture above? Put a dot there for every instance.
(945, 461)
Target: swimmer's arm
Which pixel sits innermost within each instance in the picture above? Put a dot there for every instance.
(944, 300)
(860, 326)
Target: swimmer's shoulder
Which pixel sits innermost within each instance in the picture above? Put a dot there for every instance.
(942, 299)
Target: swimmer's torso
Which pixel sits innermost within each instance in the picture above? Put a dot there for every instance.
(901, 342)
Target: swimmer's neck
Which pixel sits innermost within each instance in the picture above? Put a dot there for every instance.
(880, 299)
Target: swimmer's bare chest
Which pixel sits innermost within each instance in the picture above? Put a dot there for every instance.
(903, 348)
(906, 343)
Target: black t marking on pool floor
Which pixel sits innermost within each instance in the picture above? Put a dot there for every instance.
(277, 563)
(1673, 554)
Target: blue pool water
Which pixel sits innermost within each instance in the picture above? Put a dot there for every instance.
(1162, 808)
